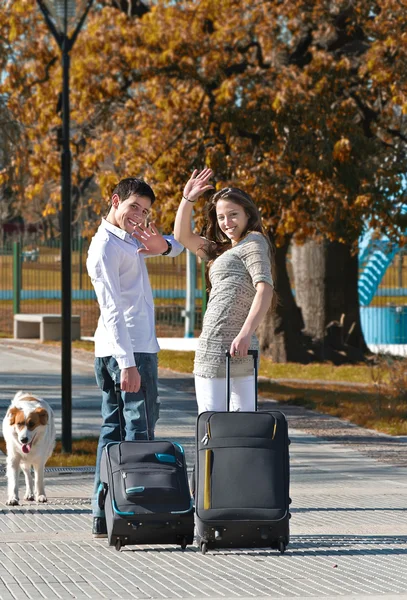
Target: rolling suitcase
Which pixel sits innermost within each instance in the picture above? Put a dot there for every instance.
(242, 477)
(144, 492)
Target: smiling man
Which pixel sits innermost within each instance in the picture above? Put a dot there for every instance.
(125, 341)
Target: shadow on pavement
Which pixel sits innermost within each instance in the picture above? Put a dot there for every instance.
(350, 509)
(328, 546)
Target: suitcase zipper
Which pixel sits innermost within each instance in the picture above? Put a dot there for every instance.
(207, 483)
(149, 467)
(207, 435)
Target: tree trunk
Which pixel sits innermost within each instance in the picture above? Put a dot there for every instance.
(280, 333)
(323, 321)
(308, 263)
(326, 286)
(342, 300)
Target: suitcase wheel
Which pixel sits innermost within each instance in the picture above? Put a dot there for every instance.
(118, 544)
(183, 541)
(281, 547)
(204, 547)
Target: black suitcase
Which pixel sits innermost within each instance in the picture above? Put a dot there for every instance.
(145, 493)
(242, 477)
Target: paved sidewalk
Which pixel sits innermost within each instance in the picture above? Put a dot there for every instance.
(349, 523)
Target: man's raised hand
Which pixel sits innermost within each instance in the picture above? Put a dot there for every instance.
(151, 238)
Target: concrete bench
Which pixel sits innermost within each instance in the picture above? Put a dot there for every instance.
(44, 327)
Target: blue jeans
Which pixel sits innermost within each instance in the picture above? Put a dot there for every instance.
(134, 416)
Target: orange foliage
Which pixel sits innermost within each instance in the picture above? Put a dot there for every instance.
(300, 103)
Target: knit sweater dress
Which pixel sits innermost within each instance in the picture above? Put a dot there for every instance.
(233, 276)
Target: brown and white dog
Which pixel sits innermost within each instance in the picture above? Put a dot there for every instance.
(29, 433)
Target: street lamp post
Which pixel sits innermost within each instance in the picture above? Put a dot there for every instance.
(61, 16)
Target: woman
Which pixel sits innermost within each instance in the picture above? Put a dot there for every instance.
(239, 256)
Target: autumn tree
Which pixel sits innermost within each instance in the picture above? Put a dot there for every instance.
(300, 103)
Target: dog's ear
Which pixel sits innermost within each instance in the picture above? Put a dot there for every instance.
(43, 415)
(12, 414)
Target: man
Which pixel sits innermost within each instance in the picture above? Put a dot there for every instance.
(125, 341)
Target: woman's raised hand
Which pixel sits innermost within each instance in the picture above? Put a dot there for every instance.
(198, 184)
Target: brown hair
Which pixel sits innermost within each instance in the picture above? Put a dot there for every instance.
(213, 232)
(129, 186)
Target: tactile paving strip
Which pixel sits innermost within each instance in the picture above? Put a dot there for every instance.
(342, 566)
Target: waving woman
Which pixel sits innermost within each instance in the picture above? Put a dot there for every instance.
(239, 257)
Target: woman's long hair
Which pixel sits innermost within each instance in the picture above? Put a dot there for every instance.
(213, 232)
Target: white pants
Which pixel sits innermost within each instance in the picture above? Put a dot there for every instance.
(211, 393)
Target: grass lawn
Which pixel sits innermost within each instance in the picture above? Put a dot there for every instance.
(184, 362)
(83, 453)
(363, 407)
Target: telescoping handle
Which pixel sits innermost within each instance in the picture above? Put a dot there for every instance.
(121, 411)
(120, 407)
(255, 354)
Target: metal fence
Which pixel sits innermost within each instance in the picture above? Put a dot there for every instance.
(30, 275)
(383, 294)
(31, 283)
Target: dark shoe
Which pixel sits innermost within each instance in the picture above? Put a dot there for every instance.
(99, 528)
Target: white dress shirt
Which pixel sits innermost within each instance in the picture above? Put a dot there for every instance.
(120, 279)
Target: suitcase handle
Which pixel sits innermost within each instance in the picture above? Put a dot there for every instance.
(120, 406)
(255, 354)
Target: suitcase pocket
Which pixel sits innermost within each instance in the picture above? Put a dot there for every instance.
(243, 478)
(153, 483)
